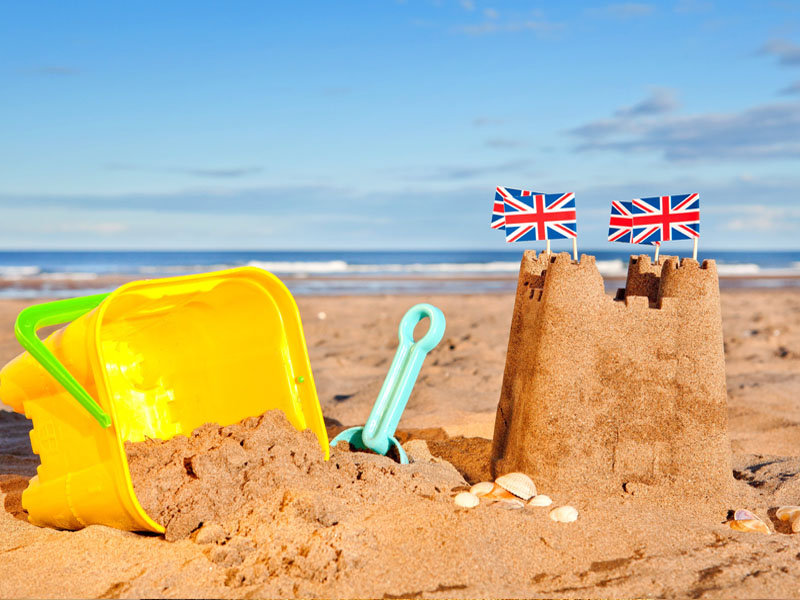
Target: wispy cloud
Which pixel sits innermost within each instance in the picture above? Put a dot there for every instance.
(763, 218)
(787, 53)
(457, 172)
(494, 26)
(760, 132)
(467, 5)
(625, 10)
(661, 100)
(486, 121)
(103, 229)
(204, 172)
(533, 21)
(791, 89)
(499, 142)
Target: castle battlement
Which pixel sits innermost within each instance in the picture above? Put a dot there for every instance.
(613, 391)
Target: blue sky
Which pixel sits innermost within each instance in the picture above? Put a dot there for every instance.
(387, 124)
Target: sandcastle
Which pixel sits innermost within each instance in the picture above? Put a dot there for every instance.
(620, 395)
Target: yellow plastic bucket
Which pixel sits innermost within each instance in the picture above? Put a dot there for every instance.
(160, 358)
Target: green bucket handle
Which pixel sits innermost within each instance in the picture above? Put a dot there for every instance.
(59, 312)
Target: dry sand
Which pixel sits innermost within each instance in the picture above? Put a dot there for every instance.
(388, 537)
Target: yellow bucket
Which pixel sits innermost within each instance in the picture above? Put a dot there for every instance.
(160, 358)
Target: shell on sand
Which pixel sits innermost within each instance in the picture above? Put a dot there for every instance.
(518, 484)
(564, 514)
(791, 514)
(540, 500)
(744, 515)
(467, 500)
(482, 488)
(500, 494)
(744, 520)
(788, 513)
(754, 525)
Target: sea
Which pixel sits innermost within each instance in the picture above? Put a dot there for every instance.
(32, 274)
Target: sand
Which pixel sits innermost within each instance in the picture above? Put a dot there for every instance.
(390, 541)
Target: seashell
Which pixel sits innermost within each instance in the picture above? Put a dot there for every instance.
(518, 484)
(482, 488)
(467, 500)
(753, 525)
(791, 514)
(500, 494)
(540, 500)
(788, 513)
(564, 514)
(744, 515)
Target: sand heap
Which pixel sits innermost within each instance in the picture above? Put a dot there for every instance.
(188, 482)
(607, 395)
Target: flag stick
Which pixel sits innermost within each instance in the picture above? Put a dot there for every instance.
(548, 247)
(694, 252)
(658, 248)
(575, 249)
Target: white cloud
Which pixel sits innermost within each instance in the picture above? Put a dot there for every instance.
(763, 218)
(108, 228)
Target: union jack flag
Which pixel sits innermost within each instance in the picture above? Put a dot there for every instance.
(498, 212)
(665, 218)
(621, 223)
(540, 217)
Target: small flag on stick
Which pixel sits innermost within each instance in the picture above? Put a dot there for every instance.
(655, 220)
(541, 217)
(621, 223)
(500, 195)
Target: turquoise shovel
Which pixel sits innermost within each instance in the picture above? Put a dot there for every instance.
(378, 434)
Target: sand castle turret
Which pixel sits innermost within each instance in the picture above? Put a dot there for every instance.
(612, 395)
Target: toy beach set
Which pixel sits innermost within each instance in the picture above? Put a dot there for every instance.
(160, 358)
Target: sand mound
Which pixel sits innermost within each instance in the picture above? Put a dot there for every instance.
(187, 482)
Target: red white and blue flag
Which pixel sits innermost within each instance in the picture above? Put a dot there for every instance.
(500, 195)
(540, 217)
(665, 218)
(620, 226)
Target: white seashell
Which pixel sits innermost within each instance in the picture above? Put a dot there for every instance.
(467, 500)
(788, 513)
(750, 525)
(518, 484)
(322, 315)
(791, 514)
(744, 515)
(482, 488)
(564, 514)
(540, 500)
(499, 494)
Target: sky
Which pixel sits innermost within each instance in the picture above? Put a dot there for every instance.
(386, 124)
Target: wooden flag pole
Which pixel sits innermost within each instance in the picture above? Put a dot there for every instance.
(658, 249)
(575, 249)
(694, 252)
(548, 247)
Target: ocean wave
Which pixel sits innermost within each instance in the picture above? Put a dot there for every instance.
(19, 272)
(738, 269)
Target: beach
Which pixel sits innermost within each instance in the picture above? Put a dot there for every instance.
(424, 546)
